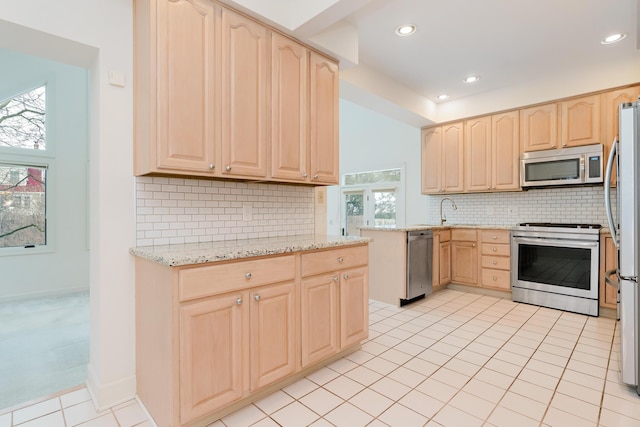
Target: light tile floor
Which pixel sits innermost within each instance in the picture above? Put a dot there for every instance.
(454, 359)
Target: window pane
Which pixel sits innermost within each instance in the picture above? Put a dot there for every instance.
(22, 206)
(355, 213)
(22, 120)
(389, 175)
(385, 208)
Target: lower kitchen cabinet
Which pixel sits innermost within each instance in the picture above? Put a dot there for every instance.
(464, 256)
(608, 261)
(211, 336)
(495, 261)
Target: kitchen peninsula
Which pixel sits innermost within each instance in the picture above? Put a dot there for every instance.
(221, 324)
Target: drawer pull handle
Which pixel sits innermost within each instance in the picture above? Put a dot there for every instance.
(247, 276)
(239, 301)
(495, 249)
(495, 262)
(345, 276)
(495, 278)
(335, 278)
(340, 259)
(256, 297)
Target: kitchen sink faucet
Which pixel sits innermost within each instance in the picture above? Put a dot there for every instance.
(442, 218)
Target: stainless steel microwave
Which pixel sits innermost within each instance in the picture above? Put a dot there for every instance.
(564, 166)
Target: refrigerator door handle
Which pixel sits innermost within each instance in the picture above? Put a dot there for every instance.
(607, 192)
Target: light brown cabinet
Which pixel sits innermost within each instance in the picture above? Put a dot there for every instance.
(443, 159)
(335, 301)
(539, 127)
(220, 95)
(212, 335)
(580, 121)
(492, 151)
(441, 259)
(495, 264)
(245, 90)
(608, 261)
(464, 256)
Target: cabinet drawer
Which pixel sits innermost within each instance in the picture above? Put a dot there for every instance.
(460, 234)
(496, 249)
(334, 259)
(496, 278)
(496, 262)
(495, 236)
(215, 279)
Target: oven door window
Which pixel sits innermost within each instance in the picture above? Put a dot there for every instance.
(556, 266)
(556, 170)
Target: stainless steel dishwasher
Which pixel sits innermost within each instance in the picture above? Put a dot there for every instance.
(419, 265)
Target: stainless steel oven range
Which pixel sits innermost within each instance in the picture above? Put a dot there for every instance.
(556, 266)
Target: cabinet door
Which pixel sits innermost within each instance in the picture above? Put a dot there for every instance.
(289, 109)
(324, 80)
(453, 157)
(319, 316)
(213, 354)
(539, 127)
(608, 261)
(354, 306)
(477, 153)
(580, 121)
(435, 269)
(244, 100)
(464, 262)
(431, 160)
(273, 334)
(184, 121)
(609, 105)
(505, 151)
(445, 263)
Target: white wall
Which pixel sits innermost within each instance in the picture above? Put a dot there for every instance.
(97, 35)
(66, 268)
(372, 141)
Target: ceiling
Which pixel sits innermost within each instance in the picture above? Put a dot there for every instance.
(523, 51)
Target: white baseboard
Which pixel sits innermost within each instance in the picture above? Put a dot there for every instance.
(106, 396)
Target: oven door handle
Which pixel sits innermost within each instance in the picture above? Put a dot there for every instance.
(556, 242)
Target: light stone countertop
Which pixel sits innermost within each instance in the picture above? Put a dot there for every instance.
(199, 253)
(417, 227)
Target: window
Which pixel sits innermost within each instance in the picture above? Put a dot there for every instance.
(24, 166)
(372, 199)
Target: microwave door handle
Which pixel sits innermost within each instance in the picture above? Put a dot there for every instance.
(555, 242)
(607, 192)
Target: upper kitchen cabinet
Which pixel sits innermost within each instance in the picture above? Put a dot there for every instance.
(443, 159)
(609, 107)
(323, 121)
(289, 109)
(477, 153)
(245, 91)
(175, 86)
(539, 127)
(580, 121)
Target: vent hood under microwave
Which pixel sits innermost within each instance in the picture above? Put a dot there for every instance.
(560, 167)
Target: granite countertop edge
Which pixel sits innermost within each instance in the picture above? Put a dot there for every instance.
(201, 253)
(437, 227)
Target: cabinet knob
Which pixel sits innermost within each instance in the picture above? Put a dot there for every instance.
(495, 249)
(345, 276)
(488, 187)
(228, 168)
(495, 278)
(304, 175)
(247, 276)
(256, 297)
(473, 245)
(335, 278)
(553, 145)
(212, 166)
(494, 237)
(340, 259)
(316, 176)
(239, 301)
(495, 262)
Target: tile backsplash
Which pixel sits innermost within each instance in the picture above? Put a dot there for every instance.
(571, 204)
(185, 210)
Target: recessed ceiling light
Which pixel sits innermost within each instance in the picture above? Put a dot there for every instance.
(443, 96)
(613, 38)
(406, 30)
(471, 79)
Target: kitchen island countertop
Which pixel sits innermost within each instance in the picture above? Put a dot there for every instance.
(199, 253)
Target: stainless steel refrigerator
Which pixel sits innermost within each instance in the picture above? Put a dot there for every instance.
(624, 230)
